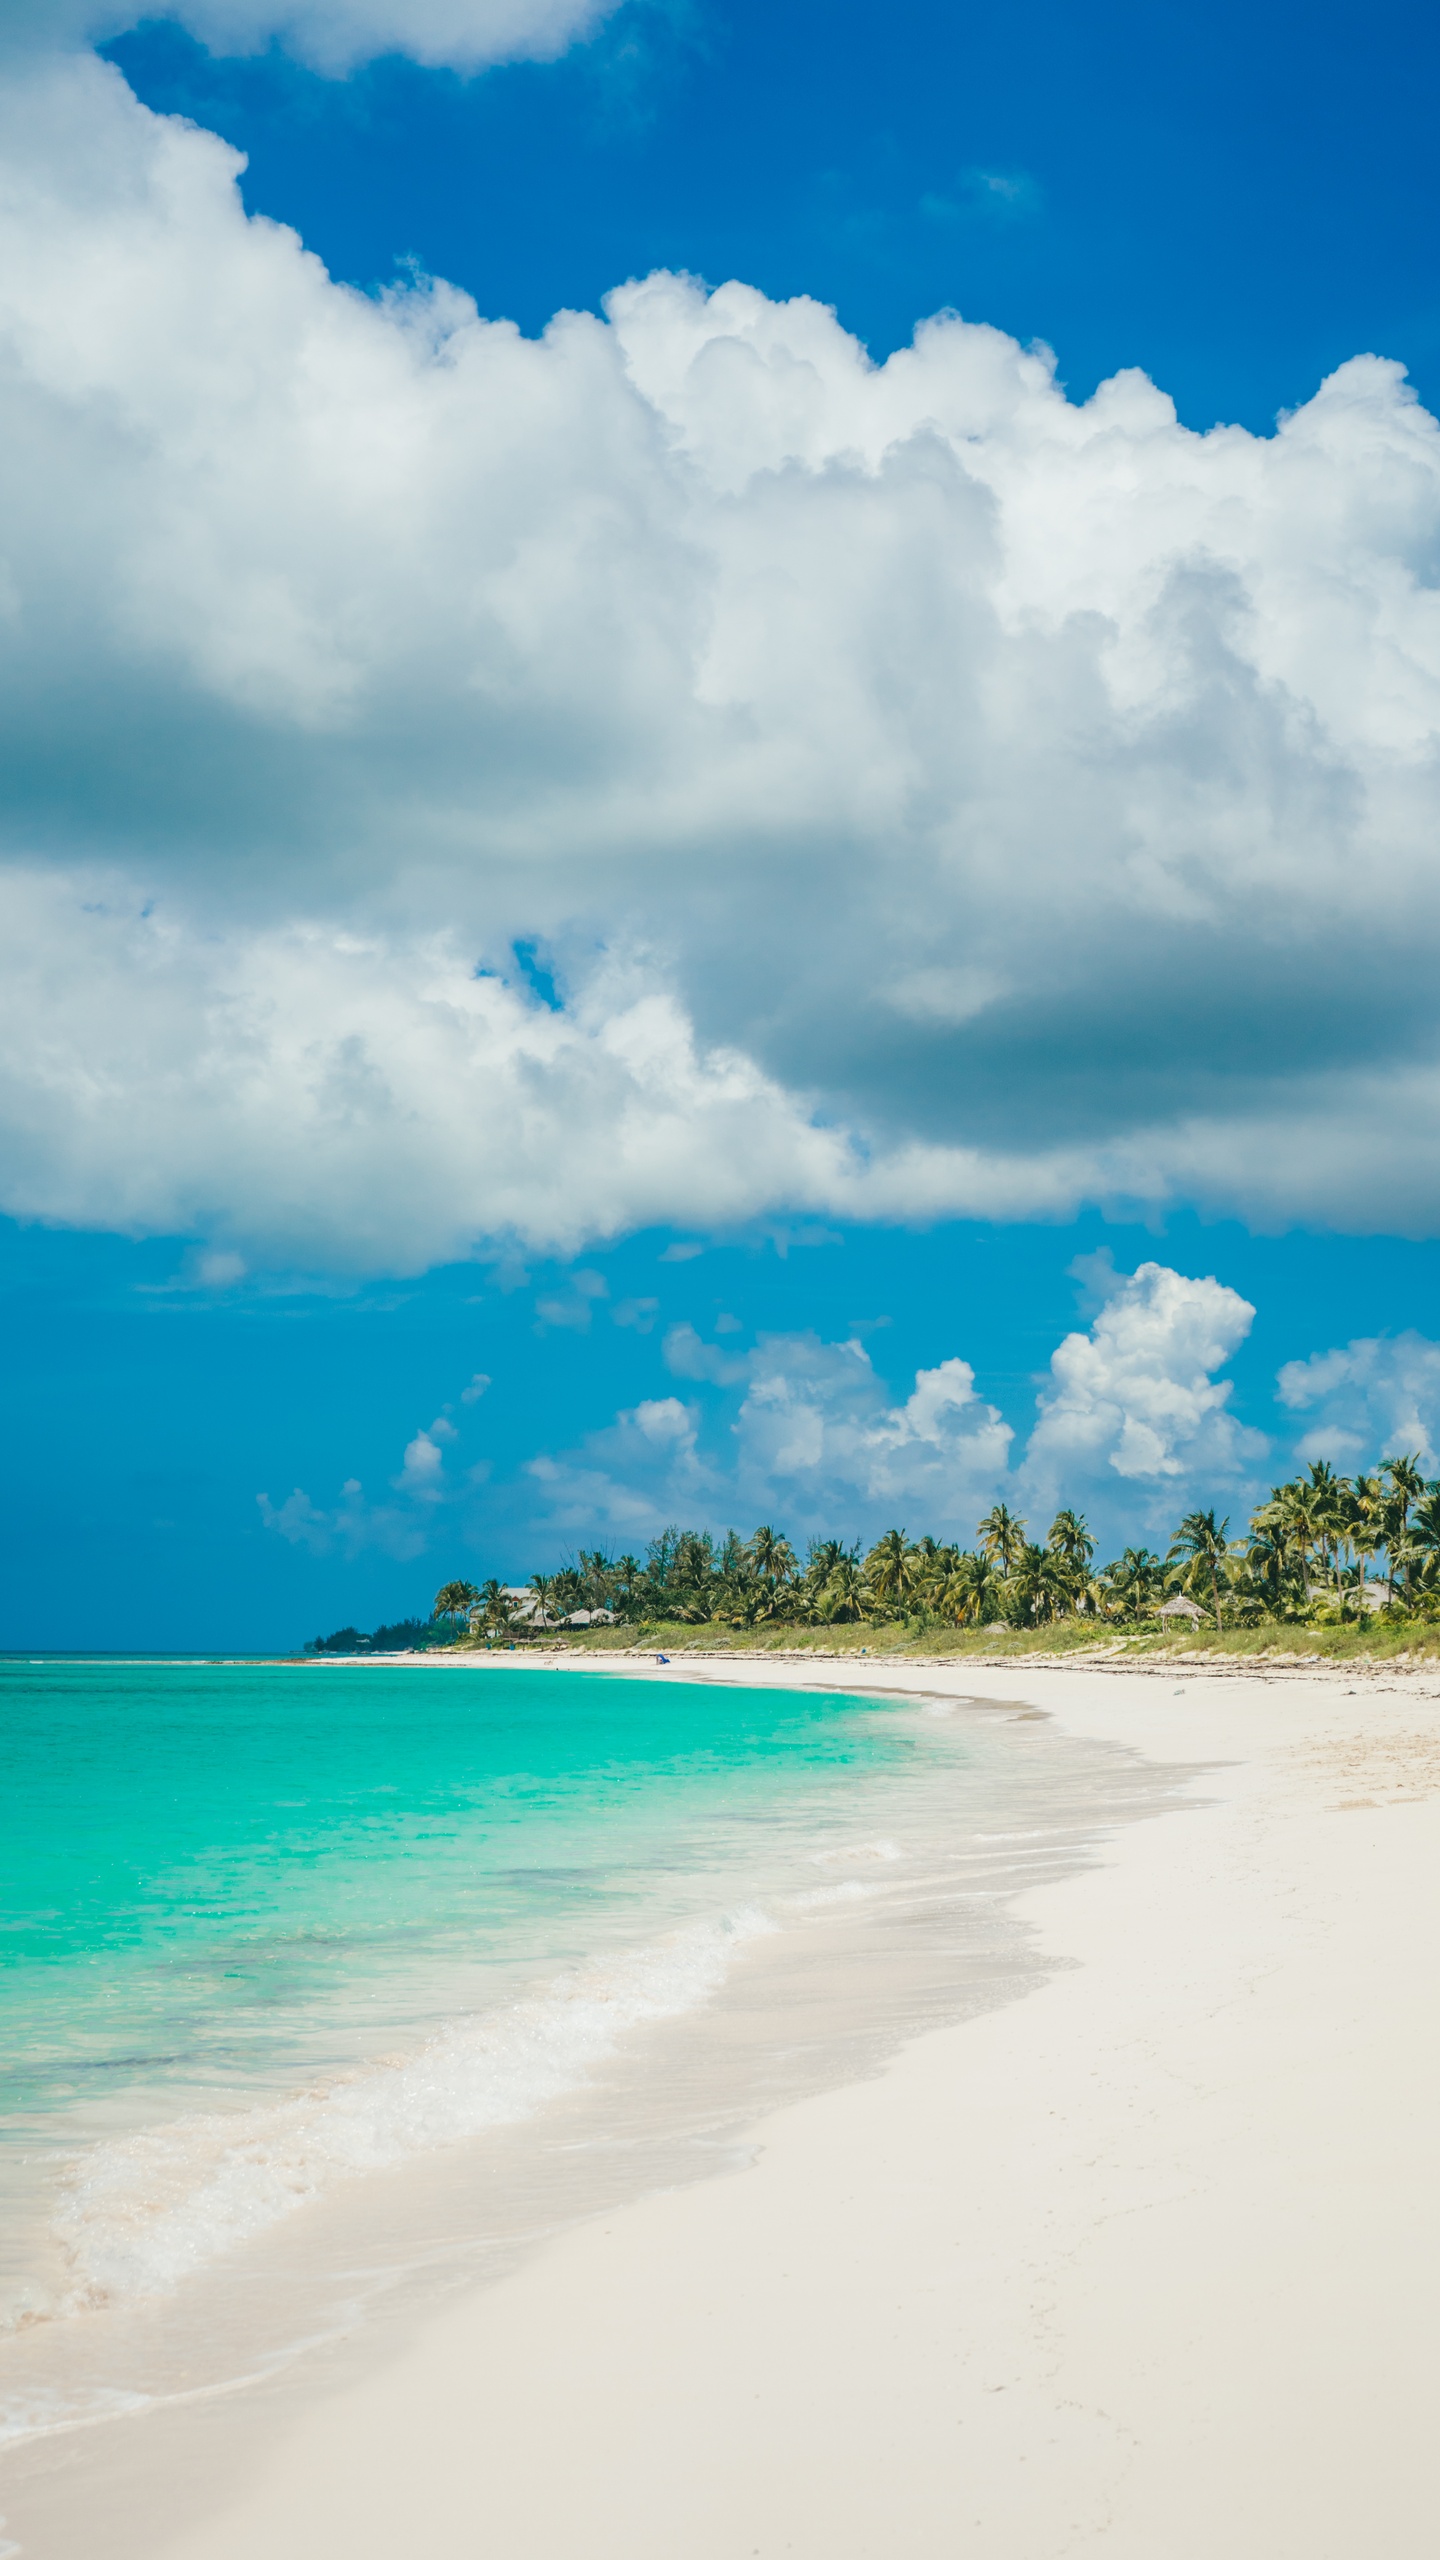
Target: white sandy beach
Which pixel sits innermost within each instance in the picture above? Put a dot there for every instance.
(1146, 2262)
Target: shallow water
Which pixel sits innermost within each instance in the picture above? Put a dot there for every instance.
(319, 1985)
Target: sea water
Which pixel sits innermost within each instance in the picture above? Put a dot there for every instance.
(277, 1937)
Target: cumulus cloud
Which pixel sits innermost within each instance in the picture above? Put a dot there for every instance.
(347, 641)
(818, 1435)
(1137, 1396)
(363, 1100)
(402, 1528)
(1132, 1424)
(810, 1433)
(1378, 1397)
(626, 1481)
(422, 1472)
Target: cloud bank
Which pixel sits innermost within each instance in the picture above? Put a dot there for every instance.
(930, 795)
(1371, 1398)
(1132, 1424)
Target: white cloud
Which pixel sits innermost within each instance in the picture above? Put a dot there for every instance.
(687, 1356)
(625, 1482)
(421, 1475)
(403, 1528)
(637, 1314)
(219, 1270)
(342, 641)
(298, 1522)
(353, 1525)
(361, 1101)
(331, 35)
(814, 1438)
(1137, 1397)
(664, 1421)
(1378, 1397)
(817, 1434)
(574, 1306)
(1133, 1426)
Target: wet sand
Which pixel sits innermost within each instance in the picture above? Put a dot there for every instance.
(1143, 2262)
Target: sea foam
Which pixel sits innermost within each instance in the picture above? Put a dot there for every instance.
(143, 2212)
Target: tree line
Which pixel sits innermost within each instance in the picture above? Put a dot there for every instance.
(1324, 1546)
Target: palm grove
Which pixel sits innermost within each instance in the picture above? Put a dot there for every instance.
(1324, 1547)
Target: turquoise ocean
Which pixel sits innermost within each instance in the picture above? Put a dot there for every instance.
(294, 1955)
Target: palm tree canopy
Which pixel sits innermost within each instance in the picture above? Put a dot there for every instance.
(1200, 1539)
(1070, 1539)
(891, 1566)
(453, 1599)
(1319, 1519)
(1001, 1535)
(771, 1556)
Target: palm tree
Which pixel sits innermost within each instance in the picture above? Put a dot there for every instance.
(567, 1593)
(454, 1600)
(1424, 1538)
(1039, 1586)
(1070, 1539)
(1407, 1484)
(844, 1594)
(890, 1568)
(597, 1575)
(1071, 1544)
(931, 1566)
(499, 1612)
(1330, 1509)
(692, 1578)
(771, 1558)
(1200, 1542)
(821, 1558)
(1135, 1577)
(543, 1586)
(1299, 1520)
(983, 1583)
(831, 1583)
(1367, 1522)
(1001, 1537)
(970, 1592)
(1275, 1568)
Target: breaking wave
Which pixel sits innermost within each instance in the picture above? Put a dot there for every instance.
(143, 2212)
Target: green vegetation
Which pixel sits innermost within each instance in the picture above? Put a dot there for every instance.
(1331, 1566)
(408, 1635)
(1377, 1640)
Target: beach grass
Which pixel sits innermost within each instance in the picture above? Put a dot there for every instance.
(1070, 1639)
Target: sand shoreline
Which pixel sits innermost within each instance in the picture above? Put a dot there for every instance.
(1406, 1675)
(1146, 2259)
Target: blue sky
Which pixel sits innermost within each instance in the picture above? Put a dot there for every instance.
(662, 868)
(1234, 199)
(144, 1417)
